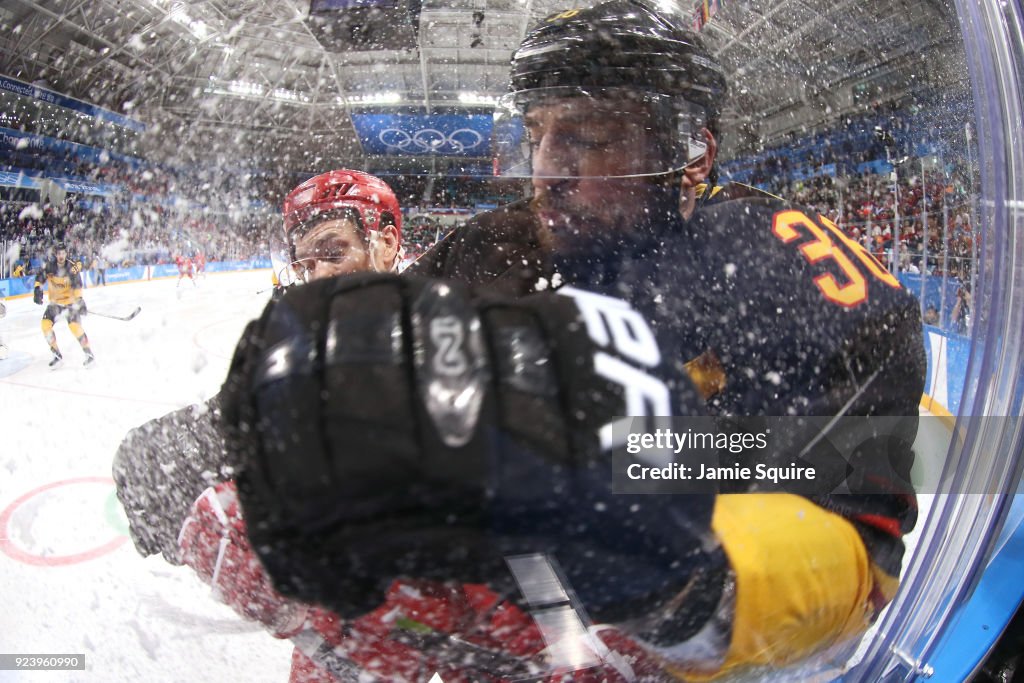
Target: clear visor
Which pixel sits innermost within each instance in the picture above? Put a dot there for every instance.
(595, 132)
(333, 246)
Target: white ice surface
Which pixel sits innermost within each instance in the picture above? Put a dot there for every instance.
(134, 619)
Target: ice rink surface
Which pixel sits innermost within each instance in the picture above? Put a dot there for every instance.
(71, 580)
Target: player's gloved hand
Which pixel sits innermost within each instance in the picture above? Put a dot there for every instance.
(79, 308)
(392, 426)
(161, 467)
(37, 295)
(214, 544)
(75, 267)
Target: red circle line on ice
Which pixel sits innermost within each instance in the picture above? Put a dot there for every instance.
(21, 555)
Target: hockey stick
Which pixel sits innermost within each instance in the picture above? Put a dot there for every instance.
(131, 315)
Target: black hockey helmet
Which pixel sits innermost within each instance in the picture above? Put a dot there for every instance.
(620, 43)
(619, 48)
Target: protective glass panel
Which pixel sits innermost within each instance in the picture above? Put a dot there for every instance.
(866, 153)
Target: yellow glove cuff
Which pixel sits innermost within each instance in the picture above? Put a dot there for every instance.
(803, 577)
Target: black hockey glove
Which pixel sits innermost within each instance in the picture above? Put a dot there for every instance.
(277, 292)
(78, 309)
(390, 426)
(161, 468)
(37, 295)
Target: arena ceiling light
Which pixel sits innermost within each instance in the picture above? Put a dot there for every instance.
(248, 89)
(245, 88)
(197, 27)
(288, 95)
(386, 97)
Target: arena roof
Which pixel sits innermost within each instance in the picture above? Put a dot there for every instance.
(249, 80)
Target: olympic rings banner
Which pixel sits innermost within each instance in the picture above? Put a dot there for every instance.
(450, 135)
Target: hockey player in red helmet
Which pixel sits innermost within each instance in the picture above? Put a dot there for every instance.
(340, 222)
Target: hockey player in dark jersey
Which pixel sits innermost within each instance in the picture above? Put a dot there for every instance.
(63, 280)
(467, 430)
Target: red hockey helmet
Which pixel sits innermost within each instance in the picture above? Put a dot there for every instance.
(316, 199)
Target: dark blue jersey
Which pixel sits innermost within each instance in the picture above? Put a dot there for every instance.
(769, 307)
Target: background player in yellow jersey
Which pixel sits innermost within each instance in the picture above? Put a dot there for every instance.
(64, 283)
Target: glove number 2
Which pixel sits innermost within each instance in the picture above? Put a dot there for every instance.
(448, 334)
(450, 361)
(613, 325)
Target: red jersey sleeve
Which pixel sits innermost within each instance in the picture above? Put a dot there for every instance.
(214, 544)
